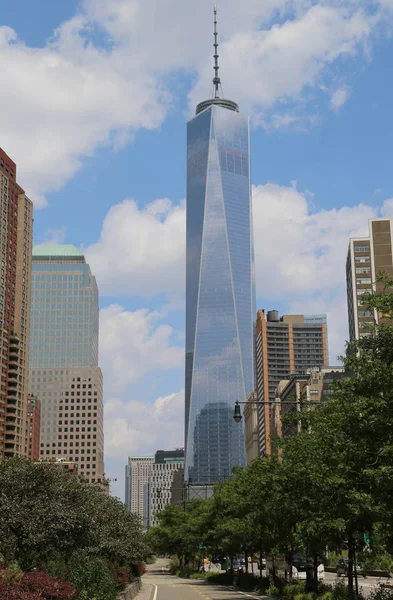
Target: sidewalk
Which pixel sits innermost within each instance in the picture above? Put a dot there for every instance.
(146, 593)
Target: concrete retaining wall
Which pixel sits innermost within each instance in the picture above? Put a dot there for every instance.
(131, 591)
(369, 573)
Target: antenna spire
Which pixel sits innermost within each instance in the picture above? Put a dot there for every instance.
(216, 79)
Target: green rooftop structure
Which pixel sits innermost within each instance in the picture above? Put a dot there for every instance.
(56, 250)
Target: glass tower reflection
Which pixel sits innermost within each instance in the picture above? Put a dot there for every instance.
(220, 295)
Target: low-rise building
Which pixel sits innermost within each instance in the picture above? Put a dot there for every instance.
(33, 426)
(159, 489)
(250, 414)
(310, 387)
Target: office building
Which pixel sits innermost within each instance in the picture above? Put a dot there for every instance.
(16, 235)
(160, 488)
(251, 427)
(220, 295)
(367, 258)
(64, 371)
(33, 427)
(283, 346)
(300, 391)
(138, 472)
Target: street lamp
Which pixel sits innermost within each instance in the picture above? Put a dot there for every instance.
(237, 415)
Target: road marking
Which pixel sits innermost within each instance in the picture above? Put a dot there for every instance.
(155, 591)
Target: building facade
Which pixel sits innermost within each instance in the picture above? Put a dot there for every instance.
(64, 370)
(16, 234)
(138, 472)
(367, 258)
(160, 488)
(33, 427)
(299, 391)
(251, 428)
(283, 346)
(220, 291)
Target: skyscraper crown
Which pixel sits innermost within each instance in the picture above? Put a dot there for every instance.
(216, 100)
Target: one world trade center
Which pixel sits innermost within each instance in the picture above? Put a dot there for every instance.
(220, 292)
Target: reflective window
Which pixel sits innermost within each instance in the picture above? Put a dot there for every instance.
(220, 301)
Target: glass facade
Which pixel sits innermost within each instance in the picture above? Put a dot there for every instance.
(64, 314)
(64, 371)
(220, 295)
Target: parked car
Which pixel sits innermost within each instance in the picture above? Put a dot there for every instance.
(342, 567)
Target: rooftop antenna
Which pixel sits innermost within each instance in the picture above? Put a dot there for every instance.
(216, 79)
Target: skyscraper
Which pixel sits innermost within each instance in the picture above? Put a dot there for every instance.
(283, 346)
(367, 257)
(160, 488)
(16, 234)
(220, 294)
(64, 371)
(138, 472)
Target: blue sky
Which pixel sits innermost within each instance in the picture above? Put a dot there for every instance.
(95, 99)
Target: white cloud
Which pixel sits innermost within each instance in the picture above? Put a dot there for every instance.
(136, 427)
(300, 254)
(55, 236)
(140, 251)
(339, 98)
(133, 344)
(104, 73)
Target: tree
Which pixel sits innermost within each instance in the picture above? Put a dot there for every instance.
(47, 512)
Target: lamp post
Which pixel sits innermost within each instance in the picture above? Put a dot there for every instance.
(237, 415)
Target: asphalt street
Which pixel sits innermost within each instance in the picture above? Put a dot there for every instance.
(366, 584)
(159, 585)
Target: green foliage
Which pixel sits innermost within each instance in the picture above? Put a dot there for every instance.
(92, 575)
(273, 591)
(293, 589)
(304, 596)
(381, 593)
(45, 512)
(221, 578)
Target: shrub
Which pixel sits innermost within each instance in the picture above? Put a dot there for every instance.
(121, 578)
(381, 593)
(221, 578)
(198, 576)
(273, 591)
(37, 585)
(304, 596)
(93, 575)
(10, 573)
(340, 592)
(293, 589)
(246, 581)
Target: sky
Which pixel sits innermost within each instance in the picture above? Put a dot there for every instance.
(95, 96)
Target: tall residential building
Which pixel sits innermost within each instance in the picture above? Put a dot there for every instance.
(286, 345)
(33, 427)
(137, 476)
(64, 371)
(160, 488)
(220, 291)
(367, 257)
(16, 235)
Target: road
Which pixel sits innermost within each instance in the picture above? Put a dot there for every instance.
(366, 584)
(158, 584)
(167, 587)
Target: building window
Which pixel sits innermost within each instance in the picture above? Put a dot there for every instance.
(362, 248)
(364, 281)
(362, 270)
